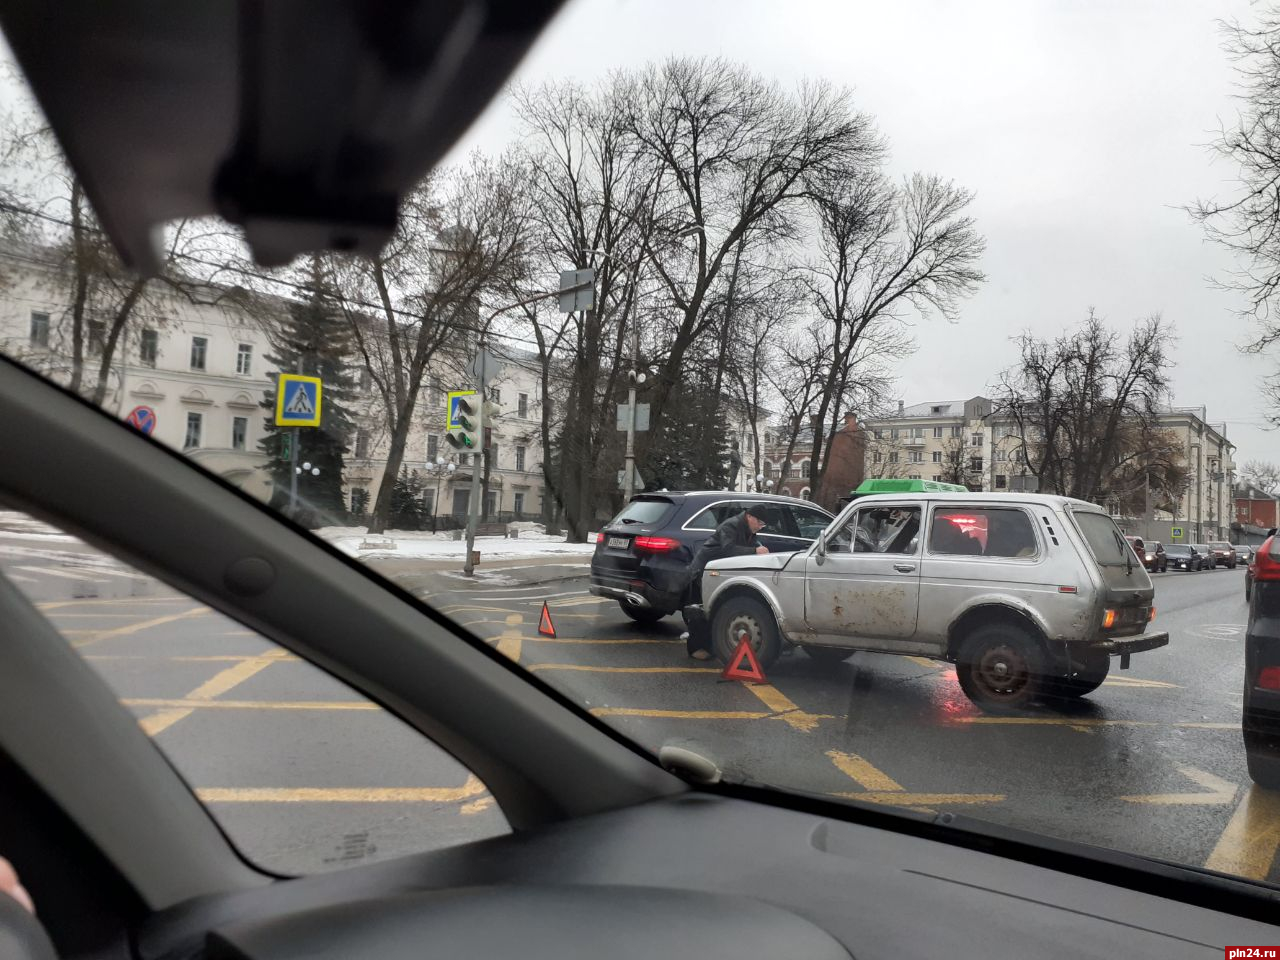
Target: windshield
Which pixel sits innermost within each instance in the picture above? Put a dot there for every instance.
(1104, 538)
(692, 261)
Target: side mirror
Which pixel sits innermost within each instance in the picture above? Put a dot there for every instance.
(820, 547)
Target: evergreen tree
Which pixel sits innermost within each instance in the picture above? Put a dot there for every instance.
(406, 502)
(316, 340)
(359, 502)
(690, 449)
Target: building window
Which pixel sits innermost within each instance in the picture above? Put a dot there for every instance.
(917, 433)
(433, 447)
(429, 502)
(957, 431)
(464, 459)
(913, 476)
(804, 469)
(194, 423)
(937, 433)
(493, 456)
(362, 444)
(39, 329)
(435, 392)
(1001, 481)
(149, 347)
(97, 336)
(495, 395)
(893, 458)
(937, 456)
(876, 457)
(519, 460)
(893, 434)
(1001, 456)
(244, 358)
(975, 464)
(517, 502)
(522, 408)
(199, 352)
(491, 503)
(975, 440)
(239, 432)
(917, 456)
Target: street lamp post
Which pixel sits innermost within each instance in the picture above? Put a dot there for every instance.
(439, 470)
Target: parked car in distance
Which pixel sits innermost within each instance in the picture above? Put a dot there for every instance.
(1244, 552)
(981, 580)
(1206, 555)
(1151, 553)
(1182, 556)
(1224, 554)
(1260, 723)
(642, 555)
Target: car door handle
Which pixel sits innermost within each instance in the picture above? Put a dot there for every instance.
(904, 567)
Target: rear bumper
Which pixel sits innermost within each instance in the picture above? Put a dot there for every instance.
(1123, 646)
(638, 595)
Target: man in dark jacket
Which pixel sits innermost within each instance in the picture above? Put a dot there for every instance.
(736, 537)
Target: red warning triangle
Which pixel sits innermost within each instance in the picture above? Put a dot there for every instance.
(545, 626)
(743, 665)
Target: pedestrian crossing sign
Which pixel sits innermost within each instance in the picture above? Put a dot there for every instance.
(297, 401)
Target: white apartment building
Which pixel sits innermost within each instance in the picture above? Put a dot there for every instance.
(925, 440)
(201, 371)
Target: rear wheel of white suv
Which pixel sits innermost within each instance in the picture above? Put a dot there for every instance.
(1000, 667)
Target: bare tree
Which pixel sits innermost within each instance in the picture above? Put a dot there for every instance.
(737, 157)
(460, 236)
(1263, 474)
(593, 202)
(1247, 222)
(1084, 405)
(885, 251)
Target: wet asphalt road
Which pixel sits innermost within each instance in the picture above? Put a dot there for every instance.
(305, 775)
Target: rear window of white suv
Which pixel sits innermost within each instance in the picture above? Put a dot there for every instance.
(1104, 538)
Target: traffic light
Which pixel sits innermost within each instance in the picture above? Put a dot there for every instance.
(463, 436)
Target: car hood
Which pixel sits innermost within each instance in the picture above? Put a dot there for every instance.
(755, 561)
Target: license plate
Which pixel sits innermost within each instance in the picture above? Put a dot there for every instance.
(618, 543)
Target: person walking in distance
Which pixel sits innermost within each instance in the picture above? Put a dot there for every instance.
(735, 537)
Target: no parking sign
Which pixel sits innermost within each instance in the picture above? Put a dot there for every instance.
(143, 419)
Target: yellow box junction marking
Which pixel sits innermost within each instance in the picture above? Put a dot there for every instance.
(1219, 791)
(1247, 847)
(509, 642)
(879, 787)
(472, 788)
(784, 708)
(215, 686)
(132, 628)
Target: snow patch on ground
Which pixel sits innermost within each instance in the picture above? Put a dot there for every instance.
(425, 545)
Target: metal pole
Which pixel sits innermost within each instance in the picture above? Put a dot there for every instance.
(293, 457)
(473, 511)
(293, 472)
(629, 480)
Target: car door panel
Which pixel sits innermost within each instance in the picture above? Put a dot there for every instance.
(867, 596)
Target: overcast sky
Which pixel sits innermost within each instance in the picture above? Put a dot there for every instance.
(1079, 125)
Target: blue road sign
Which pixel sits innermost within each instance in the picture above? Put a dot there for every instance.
(142, 418)
(298, 401)
(454, 397)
